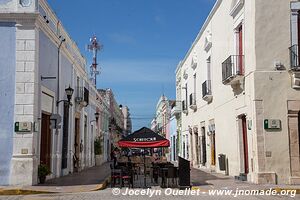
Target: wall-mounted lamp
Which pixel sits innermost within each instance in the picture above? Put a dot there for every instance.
(97, 115)
(69, 92)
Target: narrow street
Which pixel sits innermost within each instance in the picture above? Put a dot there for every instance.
(116, 99)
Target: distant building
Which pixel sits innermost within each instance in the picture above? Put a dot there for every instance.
(116, 121)
(161, 122)
(127, 121)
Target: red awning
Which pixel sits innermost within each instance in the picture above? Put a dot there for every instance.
(144, 138)
(156, 144)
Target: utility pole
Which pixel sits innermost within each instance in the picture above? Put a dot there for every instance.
(94, 47)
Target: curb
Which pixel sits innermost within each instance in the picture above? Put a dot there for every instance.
(287, 189)
(10, 192)
(103, 185)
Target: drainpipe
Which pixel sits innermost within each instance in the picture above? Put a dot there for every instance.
(57, 170)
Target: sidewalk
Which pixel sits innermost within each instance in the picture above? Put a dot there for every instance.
(207, 181)
(87, 180)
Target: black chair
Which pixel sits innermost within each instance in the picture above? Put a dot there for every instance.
(115, 176)
(127, 176)
(163, 174)
(173, 175)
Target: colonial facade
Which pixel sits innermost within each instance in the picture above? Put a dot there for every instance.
(162, 121)
(40, 64)
(239, 87)
(116, 120)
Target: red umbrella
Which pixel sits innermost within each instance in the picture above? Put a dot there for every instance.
(144, 138)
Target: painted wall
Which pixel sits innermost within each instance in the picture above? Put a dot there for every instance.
(7, 94)
(264, 92)
(47, 61)
(173, 133)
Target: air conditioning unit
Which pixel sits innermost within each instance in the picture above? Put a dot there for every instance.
(296, 81)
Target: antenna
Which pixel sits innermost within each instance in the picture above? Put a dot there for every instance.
(94, 47)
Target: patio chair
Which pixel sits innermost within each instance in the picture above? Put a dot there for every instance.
(126, 177)
(173, 175)
(115, 176)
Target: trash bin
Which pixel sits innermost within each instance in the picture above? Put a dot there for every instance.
(222, 162)
(184, 173)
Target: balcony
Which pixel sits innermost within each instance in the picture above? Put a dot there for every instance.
(184, 107)
(193, 104)
(82, 96)
(206, 91)
(295, 68)
(294, 57)
(176, 110)
(233, 69)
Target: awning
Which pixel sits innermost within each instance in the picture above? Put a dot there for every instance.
(144, 138)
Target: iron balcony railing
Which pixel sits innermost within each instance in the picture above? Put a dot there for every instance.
(232, 66)
(176, 108)
(192, 99)
(184, 106)
(82, 95)
(294, 57)
(206, 88)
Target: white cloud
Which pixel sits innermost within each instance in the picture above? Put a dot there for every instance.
(132, 71)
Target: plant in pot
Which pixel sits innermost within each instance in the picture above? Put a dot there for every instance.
(43, 171)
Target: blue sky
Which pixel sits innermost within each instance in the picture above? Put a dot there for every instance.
(143, 41)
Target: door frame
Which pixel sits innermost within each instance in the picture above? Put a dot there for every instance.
(244, 146)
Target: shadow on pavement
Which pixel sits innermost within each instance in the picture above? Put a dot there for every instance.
(91, 176)
(199, 177)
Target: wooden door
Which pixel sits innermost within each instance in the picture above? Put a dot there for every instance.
(213, 149)
(245, 145)
(45, 153)
(76, 144)
(203, 146)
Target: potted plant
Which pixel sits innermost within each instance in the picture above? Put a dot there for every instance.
(43, 171)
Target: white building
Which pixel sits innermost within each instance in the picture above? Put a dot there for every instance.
(240, 91)
(127, 121)
(38, 62)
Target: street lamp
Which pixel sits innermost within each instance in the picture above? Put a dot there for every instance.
(67, 103)
(97, 116)
(69, 92)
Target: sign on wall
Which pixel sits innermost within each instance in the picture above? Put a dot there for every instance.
(23, 127)
(272, 124)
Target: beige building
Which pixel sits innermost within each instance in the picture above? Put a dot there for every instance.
(240, 91)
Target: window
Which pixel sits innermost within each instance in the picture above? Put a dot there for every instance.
(239, 49)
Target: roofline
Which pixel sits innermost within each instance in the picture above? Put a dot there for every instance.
(205, 24)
